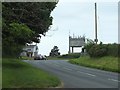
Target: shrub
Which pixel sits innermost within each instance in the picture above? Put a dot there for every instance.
(71, 55)
(112, 50)
(119, 50)
(103, 50)
(97, 51)
(88, 46)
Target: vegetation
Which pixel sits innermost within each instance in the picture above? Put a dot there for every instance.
(24, 22)
(70, 56)
(113, 50)
(100, 56)
(54, 51)
(97, 51)
(108, 63)
(64, 56)
(13, 42)
(17, 74)
(101, 50)
(26, 58)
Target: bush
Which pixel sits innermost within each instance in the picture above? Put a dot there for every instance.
(88, 46)
(103, 50)
(112, 50)
(71, 55)
(119, 50)
(11, 50)
(97, 51)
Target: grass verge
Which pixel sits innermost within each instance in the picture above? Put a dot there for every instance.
(107, 63)
(26, 58)
(18, 74)
(55, 58)
(64, 56)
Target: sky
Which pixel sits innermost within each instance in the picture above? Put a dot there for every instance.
(77, 17)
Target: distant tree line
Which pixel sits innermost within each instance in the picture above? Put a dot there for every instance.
(24, 22)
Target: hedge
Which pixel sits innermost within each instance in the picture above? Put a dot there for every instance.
(100, 50)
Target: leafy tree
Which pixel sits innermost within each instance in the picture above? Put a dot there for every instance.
(18, 35)
(24, 22)
(36, 15)
(21, 33)
(54, 51)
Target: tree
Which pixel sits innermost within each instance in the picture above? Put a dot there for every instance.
(21, 33)
(54, 51)
(18, 35)
(24, 22)
(36, 15)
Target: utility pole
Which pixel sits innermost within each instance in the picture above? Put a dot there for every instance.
(69, 42)
(96, 40)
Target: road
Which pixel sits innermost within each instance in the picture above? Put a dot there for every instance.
(74, 76)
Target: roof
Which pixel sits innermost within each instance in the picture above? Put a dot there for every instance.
(30, 46)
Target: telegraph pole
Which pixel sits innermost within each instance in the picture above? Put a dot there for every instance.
(96, 40)
(69, 43)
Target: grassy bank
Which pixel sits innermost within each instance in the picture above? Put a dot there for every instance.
(26, 58)
(64, 56)
(18, 74)
(105, 63)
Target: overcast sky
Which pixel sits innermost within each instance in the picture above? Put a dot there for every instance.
(78, 19)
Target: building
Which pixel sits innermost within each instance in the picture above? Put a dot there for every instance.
(30, 51)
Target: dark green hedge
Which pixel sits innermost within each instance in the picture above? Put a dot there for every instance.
(97, 51)
(70, 56)
(100, 50)
(112, 50)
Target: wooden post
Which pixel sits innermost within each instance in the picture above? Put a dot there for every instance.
(72, 49)
(69, 45)
(96, 40)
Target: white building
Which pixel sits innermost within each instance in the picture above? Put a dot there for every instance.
(30, 51)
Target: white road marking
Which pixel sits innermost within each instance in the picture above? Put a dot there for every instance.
(113, 80)
(56, 65)
(67, 68)
(90, 74)
(87, 73)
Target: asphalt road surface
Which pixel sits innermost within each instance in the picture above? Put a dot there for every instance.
(74, 76)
